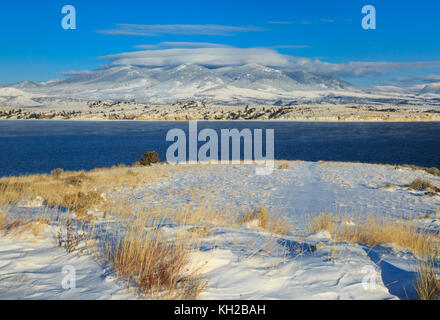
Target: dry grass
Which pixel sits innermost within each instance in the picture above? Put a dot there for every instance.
(17, 225)
(38, 226)
(322, 222)
(131, 241)
(201, 231)
(3, 220)
(376, 231)
(74, 190)
(422, 185)
(427, 283)
(81, 202)
(434, 171)
(258, 217)
(156, 265)
(284, 166)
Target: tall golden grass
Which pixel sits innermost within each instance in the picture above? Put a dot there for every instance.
(374, 231)
(157, 267)
(427, 282)
(55, 187)
(275, 224)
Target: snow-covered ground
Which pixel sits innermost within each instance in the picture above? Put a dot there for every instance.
(33, 268)
(245, 262)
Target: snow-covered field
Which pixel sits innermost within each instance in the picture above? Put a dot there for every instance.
(244, 261)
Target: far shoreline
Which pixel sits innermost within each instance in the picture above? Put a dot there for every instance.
(224, 120)
(199, 111)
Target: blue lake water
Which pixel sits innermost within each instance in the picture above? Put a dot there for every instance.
(41, 146)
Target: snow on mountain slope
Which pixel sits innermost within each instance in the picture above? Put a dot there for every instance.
(245, 84)
(13, 97)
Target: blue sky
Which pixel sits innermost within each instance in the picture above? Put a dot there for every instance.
(35, 47)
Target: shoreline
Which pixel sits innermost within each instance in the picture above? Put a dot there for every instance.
(228, 120)
(277, 163)
(198, 111)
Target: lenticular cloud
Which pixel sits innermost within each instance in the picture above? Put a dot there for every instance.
(231, 56)
(214, 57)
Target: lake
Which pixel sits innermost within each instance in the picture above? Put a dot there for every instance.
(40, 146)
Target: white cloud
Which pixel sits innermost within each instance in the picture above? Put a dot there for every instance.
(426, 78)
(215, 57)
(168, 44)
(177, 29)
(291, 46)
(357, 68)
(280, 22)
(75, 72)
(231, 56)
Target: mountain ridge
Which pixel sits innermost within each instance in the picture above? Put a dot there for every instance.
(242, 84)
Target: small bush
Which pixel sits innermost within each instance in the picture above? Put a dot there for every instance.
(80, 202)
(57, 172)
(149, 158)
(76, 180)
(422, 185)
(284, 166)
(258, 214)
(434, 171)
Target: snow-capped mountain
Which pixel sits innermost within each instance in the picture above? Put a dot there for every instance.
(245, 84)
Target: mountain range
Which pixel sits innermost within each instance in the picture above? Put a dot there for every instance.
(232, 85)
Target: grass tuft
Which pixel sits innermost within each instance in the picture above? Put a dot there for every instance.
(376, 231)
(259, 217)
(422, 185)
(284, 166)
(157, 267)
(81, 202)
(427, 283)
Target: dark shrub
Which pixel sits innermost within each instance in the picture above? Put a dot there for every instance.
(434, 171)
(76, 180)
(149, 158)
(422, 185)
(56, 172)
